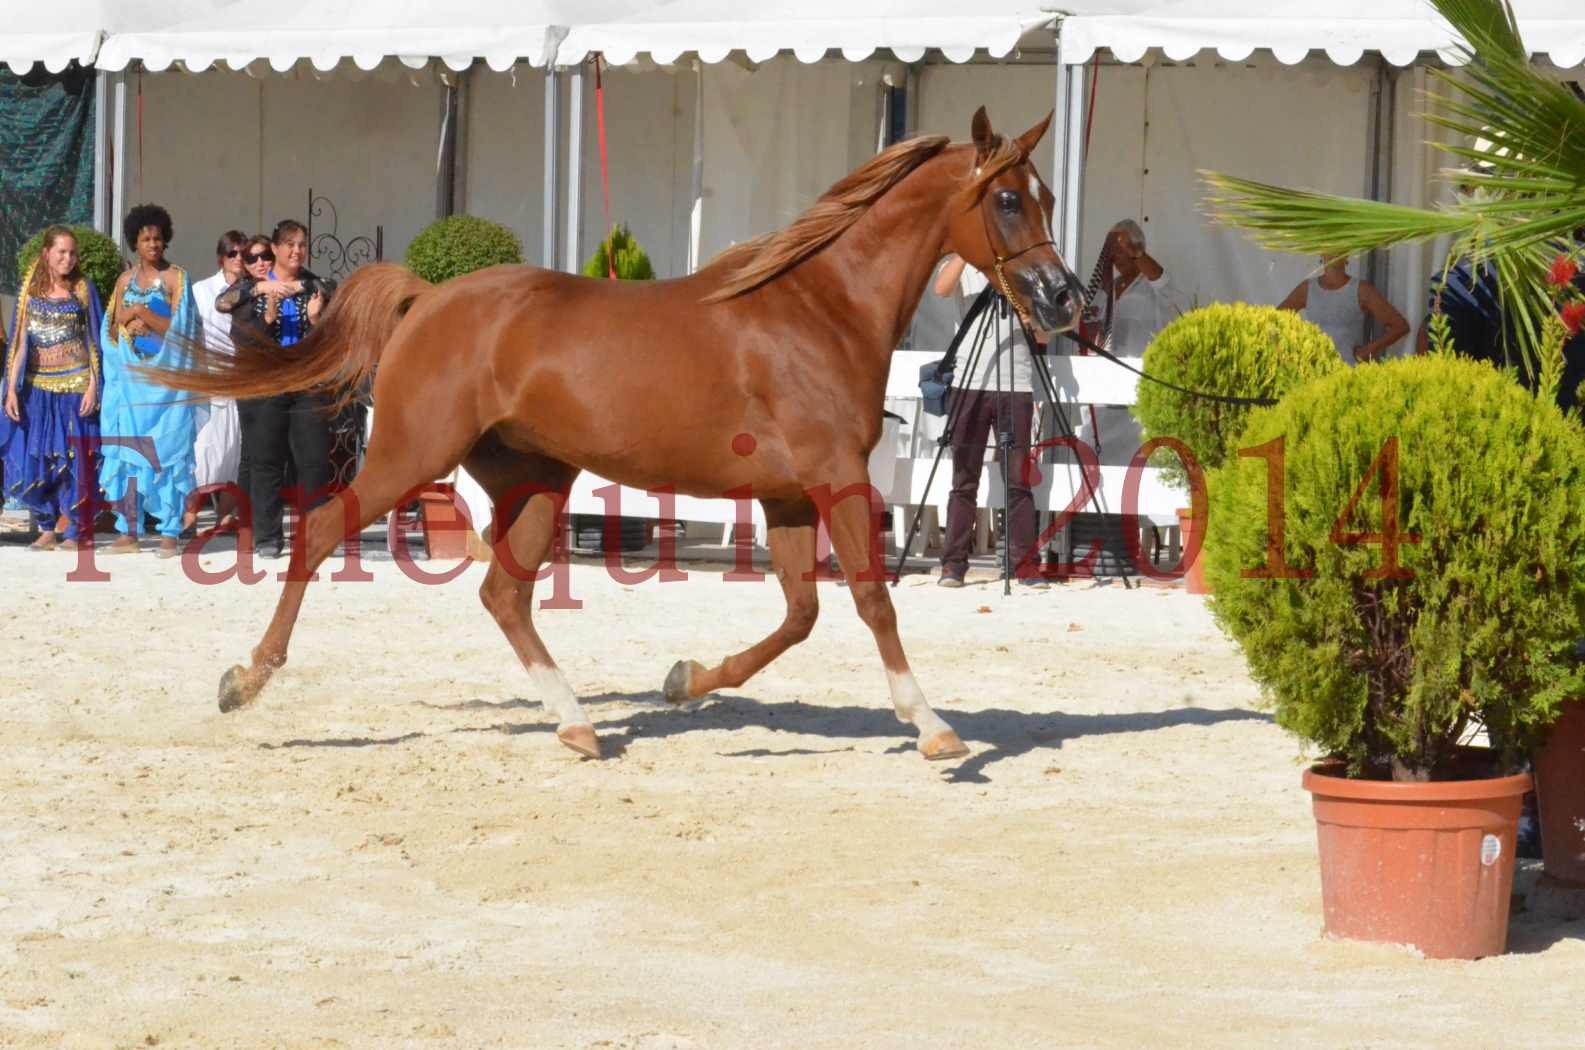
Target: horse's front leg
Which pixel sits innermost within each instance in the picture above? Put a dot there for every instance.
(854, 525)
(372, 493)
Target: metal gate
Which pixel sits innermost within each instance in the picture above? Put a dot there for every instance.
(331, 256)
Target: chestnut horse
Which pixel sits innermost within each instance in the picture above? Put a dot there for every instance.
(526, 376)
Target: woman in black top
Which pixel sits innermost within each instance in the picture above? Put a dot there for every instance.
(280, 307)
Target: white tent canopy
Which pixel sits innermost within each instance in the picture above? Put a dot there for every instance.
(198, 33)
(566, 31)
(56, 33)
(1345, 29)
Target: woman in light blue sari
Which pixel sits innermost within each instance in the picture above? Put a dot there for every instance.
(148, 431)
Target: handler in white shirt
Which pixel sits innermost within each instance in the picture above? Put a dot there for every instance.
(1141, 307)
(218, 448)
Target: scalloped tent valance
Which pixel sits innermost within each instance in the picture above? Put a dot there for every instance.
(200, 33)
(1400, 30)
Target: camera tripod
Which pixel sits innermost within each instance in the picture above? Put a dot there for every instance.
(985, 318)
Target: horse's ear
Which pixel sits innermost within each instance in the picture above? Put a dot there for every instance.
(984, 137)
(1031, 138)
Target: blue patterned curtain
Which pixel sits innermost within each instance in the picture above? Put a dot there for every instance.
(46, 156)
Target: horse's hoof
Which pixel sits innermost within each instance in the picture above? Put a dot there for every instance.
(943, 745)
(677, 681)
(581, 739)
(232, 693)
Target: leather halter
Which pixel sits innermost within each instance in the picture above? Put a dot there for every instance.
(1002, 260)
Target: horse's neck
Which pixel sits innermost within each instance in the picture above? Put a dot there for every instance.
(875, 273)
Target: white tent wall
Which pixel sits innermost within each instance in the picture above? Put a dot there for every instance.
(223, 150)
(777, 137)
(504, 163)
(649, 136)
(649, 144)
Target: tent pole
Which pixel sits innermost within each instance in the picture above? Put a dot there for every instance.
(1059, 148)
(552, 120)
(118, 151)
(1379, 150)
(573, 261)
(696, 189)
(911, 99)
(459, 164)
(1069, 160)
(446, 153)
(102, 151)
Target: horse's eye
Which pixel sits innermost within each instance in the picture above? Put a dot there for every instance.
(1007, 201)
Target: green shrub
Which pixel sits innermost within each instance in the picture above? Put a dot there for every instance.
(461, 244)
(632, 264)
(1232, 349)
(1390, 673)
(97, 254)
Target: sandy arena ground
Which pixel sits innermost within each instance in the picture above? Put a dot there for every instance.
(391, 849)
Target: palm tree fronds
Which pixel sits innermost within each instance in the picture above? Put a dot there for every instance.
(1308, 222)
(1522, 144)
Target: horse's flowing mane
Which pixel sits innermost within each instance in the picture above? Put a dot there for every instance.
(771, 254)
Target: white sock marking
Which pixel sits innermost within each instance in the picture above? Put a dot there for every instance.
(550, 685)
(909, 700)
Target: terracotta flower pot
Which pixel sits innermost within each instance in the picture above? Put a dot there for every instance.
(1194, 576)
(446, 531)
(1425, 864)
(1560, 795)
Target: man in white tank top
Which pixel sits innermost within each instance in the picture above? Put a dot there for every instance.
(1338, 304)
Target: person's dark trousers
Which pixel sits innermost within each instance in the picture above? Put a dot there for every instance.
(979, 423)
(244, 462)
(294, 426)
(247, 422)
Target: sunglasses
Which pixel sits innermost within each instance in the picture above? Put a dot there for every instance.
(254, 257)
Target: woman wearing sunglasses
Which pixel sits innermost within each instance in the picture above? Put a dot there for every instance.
(279, 301)
(244, 300)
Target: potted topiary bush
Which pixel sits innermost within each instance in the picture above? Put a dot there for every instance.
(1402, 561)
(447, 248)
(621, 255)
(460, 244)
(1232, 350)
(97, 254)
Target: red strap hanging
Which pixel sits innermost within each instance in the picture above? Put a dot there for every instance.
(1089, 119)
(605, 173)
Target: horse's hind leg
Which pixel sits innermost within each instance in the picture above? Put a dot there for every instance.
(522, 535)
(791, 536)
(855, 536)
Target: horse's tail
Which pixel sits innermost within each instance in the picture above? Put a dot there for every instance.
(337, 356)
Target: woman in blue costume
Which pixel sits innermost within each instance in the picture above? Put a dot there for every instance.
(149, 430)
(49, 430)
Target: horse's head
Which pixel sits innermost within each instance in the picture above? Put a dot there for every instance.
(1001, 225)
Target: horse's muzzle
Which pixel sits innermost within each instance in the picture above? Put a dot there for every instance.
(1055, 304)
